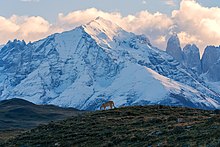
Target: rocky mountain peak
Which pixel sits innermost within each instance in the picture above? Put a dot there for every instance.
(109, 35)
(174, 39)
(211, 62)
(98, 62)
(100, 26)
(210, 57)
(191, 57)
(174, 48)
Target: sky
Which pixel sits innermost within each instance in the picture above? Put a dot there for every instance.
(195, 21)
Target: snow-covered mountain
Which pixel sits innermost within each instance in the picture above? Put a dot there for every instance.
(1, 46)
(97, 62)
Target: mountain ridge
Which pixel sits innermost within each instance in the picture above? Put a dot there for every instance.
(189, 56)
(19, 114)
(92, 64)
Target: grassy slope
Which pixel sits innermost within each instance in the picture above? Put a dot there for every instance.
(17, 115)
(129, 126)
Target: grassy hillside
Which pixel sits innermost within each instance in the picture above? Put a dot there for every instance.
(17, 115)
(129, 126)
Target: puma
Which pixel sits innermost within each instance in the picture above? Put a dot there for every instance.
(108, 104)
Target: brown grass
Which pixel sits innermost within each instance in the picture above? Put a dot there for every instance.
(129, 126)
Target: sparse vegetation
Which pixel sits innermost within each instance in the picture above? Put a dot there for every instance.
(18, 116)
(128, 126)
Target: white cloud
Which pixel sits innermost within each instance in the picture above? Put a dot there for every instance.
(144, 2)
(160, 40)
(7, 25)
(153, 25)
(170, 2)
(186, 38)
(84, 16)
(192, 22)
(30, 0)
(197, 23)
(23, 27)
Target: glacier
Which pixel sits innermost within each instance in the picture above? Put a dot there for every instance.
(95, 63)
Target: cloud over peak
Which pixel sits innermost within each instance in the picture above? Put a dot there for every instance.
(192, 22)
(200, 24)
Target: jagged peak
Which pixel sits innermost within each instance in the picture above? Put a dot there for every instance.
(174, 48)
(100, 26)
(211, 49)
(16, 41)
(174, 36)
(174, 39)
(212, 46)
(190, 47)
(106, 33)
(102, 22)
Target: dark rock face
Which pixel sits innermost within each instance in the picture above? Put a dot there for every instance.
(174, 49)
(191, 57)
(210, 57)
(213, 72)
(211, 63)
